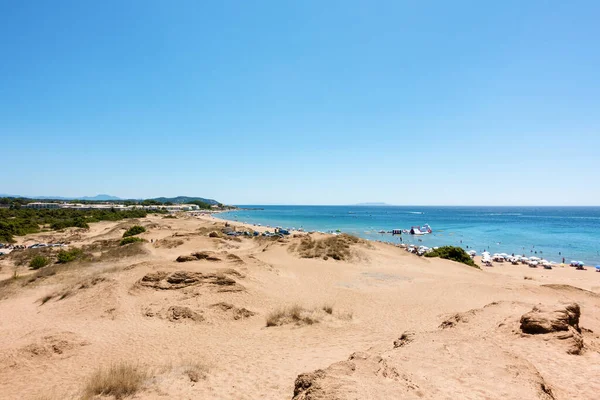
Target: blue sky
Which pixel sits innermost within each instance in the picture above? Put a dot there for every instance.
(305, 102)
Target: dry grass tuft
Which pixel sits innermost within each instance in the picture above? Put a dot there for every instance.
(336, 247)
(46, 298)
(42, 273)
(347, 316)
(118, 380)
(195, 370)
(328, 308)
(294, 314)
(101, 245)
(116, 253)
(299, 315)
(168, 243)
(71, 290)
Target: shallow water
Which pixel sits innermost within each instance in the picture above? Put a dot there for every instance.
(546, 232)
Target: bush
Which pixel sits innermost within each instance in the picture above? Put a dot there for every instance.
(134, 230)
(38, 262)
(17, 221)
(453, 253)
(118, 381)
(130, 239)
(65, 256)
(202, 205)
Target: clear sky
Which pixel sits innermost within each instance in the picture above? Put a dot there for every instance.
(303, 102)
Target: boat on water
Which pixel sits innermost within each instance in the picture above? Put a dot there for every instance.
(420, 230)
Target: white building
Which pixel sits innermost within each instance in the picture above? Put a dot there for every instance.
(39, 206)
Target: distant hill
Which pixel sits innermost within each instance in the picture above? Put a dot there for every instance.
(183, 200)
(107, 197)
(98, 197)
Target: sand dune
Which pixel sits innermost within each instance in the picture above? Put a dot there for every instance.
(379, 324)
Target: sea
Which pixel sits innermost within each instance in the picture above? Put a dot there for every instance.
(552, 233)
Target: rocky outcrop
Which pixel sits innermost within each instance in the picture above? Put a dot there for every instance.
(307, 386)
(152, 277)
(185, 258)
(542, 319)
(181, 279)
(179, 313)
(560, 322)
(200, 255)
(457, 318)
(483, 352)
(236, 313)
(575, 340)
(204, 255)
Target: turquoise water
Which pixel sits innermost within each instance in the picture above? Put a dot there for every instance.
(547, 232)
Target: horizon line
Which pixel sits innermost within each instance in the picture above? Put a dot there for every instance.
(417, 205)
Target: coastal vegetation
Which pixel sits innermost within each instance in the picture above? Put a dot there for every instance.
(202, 205)
(295, 314)
(118, 381)
(336, 247)
(134, 230)
(17, 221)
(38, 262)
(298, 315)
(453, 253)
(129, 240)
(66, 256)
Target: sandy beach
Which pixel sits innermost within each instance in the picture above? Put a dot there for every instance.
(379, 323)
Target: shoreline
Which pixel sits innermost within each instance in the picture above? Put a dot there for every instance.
(477, 258)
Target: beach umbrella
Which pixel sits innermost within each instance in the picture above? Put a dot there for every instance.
(598, 268)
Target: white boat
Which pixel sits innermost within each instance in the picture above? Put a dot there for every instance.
(420, 230)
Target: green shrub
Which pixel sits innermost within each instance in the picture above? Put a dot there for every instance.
(38, 262)
(202, 205)
(130, 239)
(65, 256)
(453, 253)
(17, 221)
(134, 230)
